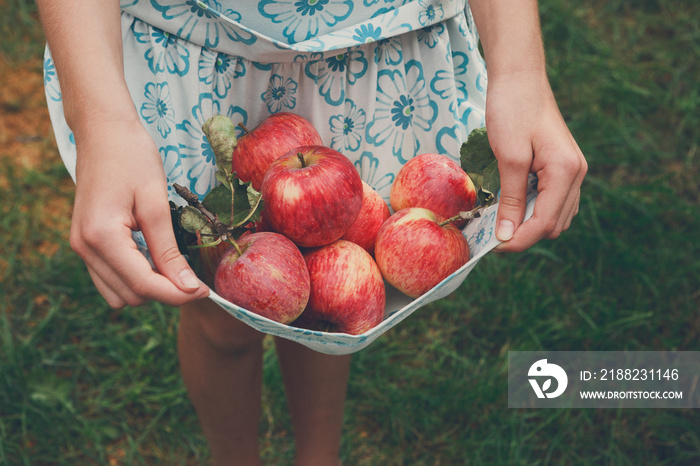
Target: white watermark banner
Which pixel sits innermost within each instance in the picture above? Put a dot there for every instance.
(604, 379)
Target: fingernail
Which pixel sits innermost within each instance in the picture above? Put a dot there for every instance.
(505, 230)
(188, 279)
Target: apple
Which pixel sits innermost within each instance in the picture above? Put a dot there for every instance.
(274, 136)
(416, 249)
(347, 290)
(373, 213)
(261, 225)
(268, 277)
(434, 182)
(209, 258)
(312, 195)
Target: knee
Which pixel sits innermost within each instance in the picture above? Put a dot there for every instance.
(205, 322)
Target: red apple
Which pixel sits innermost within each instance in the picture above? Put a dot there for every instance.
(312, 195)
(347, 290)
(373, 214)
(209, 258)
(269, 277)
(261, 225)
(434, 182)
(416, 250)
(275, 136)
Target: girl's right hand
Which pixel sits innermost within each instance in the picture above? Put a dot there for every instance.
(121, 187)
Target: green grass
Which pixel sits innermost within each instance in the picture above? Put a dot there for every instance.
(21, 38)
(83, 384)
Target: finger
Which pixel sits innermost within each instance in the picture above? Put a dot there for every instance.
(130, 274)
(545, 217)
(572, 212)
(113, 299)
(149, 284)
(559, 183)
(571, 206)
(573, 209)
(108, 282)
(156, 225)
(566, 215)
(514, 174)
(86, 241)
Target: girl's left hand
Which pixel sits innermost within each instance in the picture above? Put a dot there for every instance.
(529, 135)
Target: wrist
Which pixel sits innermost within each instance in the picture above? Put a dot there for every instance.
(85, 115)
(519, 84)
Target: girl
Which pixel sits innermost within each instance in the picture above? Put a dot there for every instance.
(381, 81)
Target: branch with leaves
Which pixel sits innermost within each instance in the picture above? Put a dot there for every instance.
(229, 210)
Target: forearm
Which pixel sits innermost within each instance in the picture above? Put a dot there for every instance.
(85, 40)
(510, 35)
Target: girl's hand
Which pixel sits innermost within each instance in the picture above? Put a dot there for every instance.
(529, 135)
(121, 187)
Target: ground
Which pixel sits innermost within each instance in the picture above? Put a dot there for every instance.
(27, 141)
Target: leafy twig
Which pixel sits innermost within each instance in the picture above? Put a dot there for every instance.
(193, 200)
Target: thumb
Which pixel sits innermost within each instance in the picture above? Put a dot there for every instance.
(512, 200)
(156, 225)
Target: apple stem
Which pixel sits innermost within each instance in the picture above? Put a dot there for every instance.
(235, 245)
(242, 126)
(464, 215)
(300, 156)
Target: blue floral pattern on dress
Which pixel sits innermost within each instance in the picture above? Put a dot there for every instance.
(385, 24)
(444, 84)
(368, 166)
(238, 115)
(53, 90)
(403, 109)
(334, 73)
(304, 19)
(432, 12)
(200, 19)
(448, 141)
(219, 70)
(157, 107)
(347, 128)
(280, 94)
(430, 35)
(193, 145)
(367, 33)
(388, 52)
(481, 237)
(172, 164)
(165, 53)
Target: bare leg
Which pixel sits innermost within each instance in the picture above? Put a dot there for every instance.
(221, 363)
(316, 386)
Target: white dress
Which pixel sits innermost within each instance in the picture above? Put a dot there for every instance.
(381, 80)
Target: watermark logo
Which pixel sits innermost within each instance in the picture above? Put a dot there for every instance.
(603, 379)
(546, 371)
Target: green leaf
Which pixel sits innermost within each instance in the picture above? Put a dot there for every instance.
(193, 221)
(183, 237)
(479, 162)
(247, 202)
(218, 202)
(222, 178)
